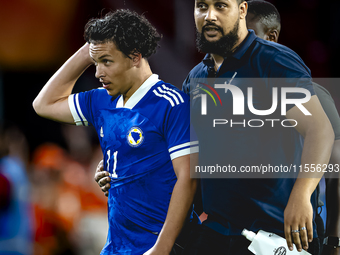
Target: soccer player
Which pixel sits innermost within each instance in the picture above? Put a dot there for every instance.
(143, 128)
(265, 20)
(282, 206)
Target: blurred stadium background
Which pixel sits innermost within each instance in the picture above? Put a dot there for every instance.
(67, 210)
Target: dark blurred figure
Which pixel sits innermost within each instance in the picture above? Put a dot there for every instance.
(16, 226)
(5, 192)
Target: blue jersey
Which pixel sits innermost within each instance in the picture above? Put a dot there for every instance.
(139, 140)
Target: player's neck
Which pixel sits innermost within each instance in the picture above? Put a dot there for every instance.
(143, 72)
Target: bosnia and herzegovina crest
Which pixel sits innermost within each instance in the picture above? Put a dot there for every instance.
(135, 137)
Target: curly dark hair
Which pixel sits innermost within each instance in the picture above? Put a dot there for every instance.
(132, 33)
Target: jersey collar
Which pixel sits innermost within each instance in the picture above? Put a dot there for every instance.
(139, 93)
(241, 50)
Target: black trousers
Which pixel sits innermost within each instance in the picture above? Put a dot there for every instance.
(206, 241)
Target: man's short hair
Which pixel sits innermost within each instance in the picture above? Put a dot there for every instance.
(131, 33)
(266, 13)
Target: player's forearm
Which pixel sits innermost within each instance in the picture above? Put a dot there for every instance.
(299, 212)
(60, 85)
(181, 202)
(316, 153)
(319, 139)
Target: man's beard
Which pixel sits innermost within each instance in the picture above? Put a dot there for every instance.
(223, 47)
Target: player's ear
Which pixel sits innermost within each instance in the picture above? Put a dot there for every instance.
(136, 58)
(243, 7)
(273, 35)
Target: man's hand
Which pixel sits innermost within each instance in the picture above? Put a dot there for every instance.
(102, 178)
(298, 222)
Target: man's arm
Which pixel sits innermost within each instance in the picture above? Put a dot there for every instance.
(52, 102)
(180, 203)
(319, 137)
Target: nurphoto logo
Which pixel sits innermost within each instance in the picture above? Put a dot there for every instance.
(242, 98)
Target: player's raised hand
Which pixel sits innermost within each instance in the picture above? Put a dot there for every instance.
(102, 178)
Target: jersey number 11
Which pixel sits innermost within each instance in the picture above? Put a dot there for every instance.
(114, 174)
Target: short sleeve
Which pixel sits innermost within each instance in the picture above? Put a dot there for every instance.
(81, 109)
(177, 130)
(287, 69)
(329, 107)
